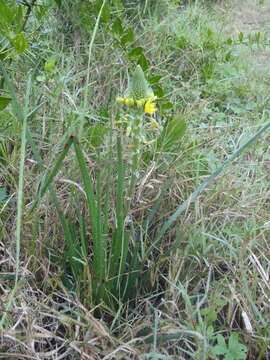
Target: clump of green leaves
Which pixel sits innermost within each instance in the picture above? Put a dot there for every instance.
(233, 350)
(12, 22)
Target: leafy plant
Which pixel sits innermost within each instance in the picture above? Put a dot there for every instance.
(12, 23)
(233, 350)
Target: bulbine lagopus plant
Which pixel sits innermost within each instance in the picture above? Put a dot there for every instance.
(138, 124)
(140, 108)
(102, 260)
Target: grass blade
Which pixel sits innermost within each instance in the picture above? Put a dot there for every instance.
(58, 164)
(99, 258)
(19, 114)
(119, 247)
(20, 207)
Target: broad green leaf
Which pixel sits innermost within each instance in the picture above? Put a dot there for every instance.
(127, 37)
(4, 101)
(221, 347)
(117, 27)
(143, 62)
(106, 14)
(159, 92)
(19, 42)
(155, 79)
(236, 349)
(167, 106)
(138, 51)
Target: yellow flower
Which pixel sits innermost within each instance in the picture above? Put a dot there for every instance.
(120, 100)
(150, 107)
(128, 131)
(129, 101)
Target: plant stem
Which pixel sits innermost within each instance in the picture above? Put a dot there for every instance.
(135, 162)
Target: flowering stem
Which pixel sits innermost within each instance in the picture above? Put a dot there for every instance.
(135, 162)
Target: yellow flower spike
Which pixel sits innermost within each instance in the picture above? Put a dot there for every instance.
(120, 100)
(128, 131)
(140, 102)
(154, 123)
(150, 107)
(129, 101)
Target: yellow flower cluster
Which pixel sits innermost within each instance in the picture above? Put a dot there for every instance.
(149, 105)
